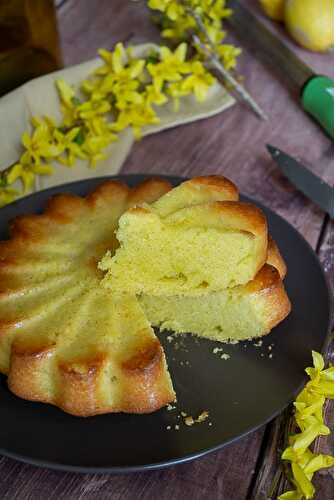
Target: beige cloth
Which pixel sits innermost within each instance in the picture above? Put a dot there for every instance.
(39, 97)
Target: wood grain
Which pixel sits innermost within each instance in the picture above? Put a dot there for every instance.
(232, 144)
(217, 474)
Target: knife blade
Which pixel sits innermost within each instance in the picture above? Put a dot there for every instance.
(316, 92)
(303, 179)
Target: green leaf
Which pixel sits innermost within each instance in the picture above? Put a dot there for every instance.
(76, 101)
(80, 137)
(153, 58)
(3, 180)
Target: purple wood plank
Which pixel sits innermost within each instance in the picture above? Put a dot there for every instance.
(216, 476)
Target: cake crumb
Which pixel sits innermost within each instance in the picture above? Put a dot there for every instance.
(262, 354)
(270, 356)
(170, 338)
(233, 342)
(269, 347)
(218, 350)
(168, 427)
(189, 421)
(210, 423)
(176, 427)
(170, 407)
(203, 416)
(258, 344)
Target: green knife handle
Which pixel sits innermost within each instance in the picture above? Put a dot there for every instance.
(318, 100)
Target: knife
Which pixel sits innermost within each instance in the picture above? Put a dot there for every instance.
(310, 184)
(316, 91)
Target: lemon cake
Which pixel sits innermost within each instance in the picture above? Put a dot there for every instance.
(239, 313)
(63, 338)
(68, 341)
(180, 247)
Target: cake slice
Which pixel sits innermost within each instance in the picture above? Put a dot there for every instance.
(64, 339)
(176, 247)
(99, 354)
(239, 313)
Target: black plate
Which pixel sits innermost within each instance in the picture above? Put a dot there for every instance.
(241, 393)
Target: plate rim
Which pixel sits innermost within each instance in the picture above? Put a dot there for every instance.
(112, 470)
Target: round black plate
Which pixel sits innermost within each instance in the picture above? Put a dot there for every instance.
(241, 393)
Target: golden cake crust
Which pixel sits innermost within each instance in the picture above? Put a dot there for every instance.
(268, 284)
(265, 296)
(69, 238)
(215, 183)
(162, 246)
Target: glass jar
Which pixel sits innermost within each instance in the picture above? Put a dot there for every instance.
(29, 42)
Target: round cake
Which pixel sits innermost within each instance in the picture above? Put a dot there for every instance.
(70, 336)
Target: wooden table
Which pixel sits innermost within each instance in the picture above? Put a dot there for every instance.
(232, 144)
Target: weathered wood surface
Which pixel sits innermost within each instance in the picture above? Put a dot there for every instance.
(231, 144)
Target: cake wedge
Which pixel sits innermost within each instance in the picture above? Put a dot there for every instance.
(187, 245)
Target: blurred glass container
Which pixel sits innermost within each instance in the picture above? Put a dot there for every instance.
(29, 41)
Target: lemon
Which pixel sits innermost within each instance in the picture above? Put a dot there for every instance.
(311, 23)
(274, 9)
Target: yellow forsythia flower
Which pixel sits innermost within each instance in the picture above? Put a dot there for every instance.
(309, 418)
(179, 23)
(121, 93)
(7, 195)
(27, 172)
(71, 148)
(199, 81)
(38, 145)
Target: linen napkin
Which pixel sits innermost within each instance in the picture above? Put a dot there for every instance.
(39, 97)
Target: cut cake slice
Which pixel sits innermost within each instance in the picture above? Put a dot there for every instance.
(176, 247)
(239, 313)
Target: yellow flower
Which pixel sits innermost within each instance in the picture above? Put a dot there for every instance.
(93, 148)
(171, 68)
(118, 79)
(91, 109)
(70, 147)
(303, 474)
(216, 9)
(135, 117)
(179, 29)
(154, 96)
(124, 96)
(228, 54)
(179, 24)
(199, 81)
(98, 126)
(7, 195)
(176, 91)
(171, 8)
(304, 485)
(45, 121)
(309, 418)
(39, 145)
(216, 34)
(291, 495)
(26, 173)
(68, 102)
(114, 61)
